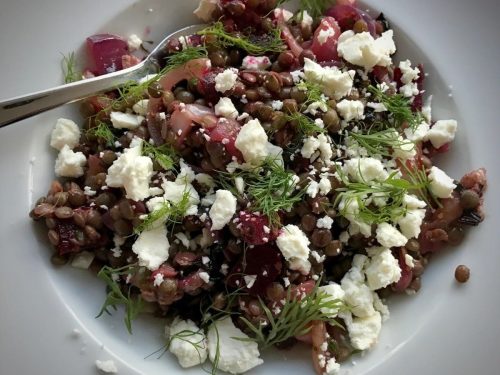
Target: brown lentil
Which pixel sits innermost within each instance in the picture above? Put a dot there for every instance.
(91, 233)
(285, 93)
(108, 157)
(334, 248)
(413, 245)
(105, 199)
(272, 83)
(185, 97)
(76, 198)
(167, 97)
(122, 227)
(308, 222)
(286, 59)
(298, 95)
(331, 121)
(115, 212)
(155, 89)
(462, 273)
(53, 237)
(252, 95)
(264, 93)
(456, 235)
(79, 219)
(94, 219)
(58, 260)
(265, 113)
(360, 26)
(275, 291)
(126, 209)
(290, 106)
(63, 212)
(321, 237)
(219, 58)
(469, 199)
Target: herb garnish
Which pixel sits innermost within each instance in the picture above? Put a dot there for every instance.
(69, 68)
(421, 184)
(102, 131)
(357, 198)
(381, 142)
(271, 42)
(315, 8)
(133, 304)
(164, 154)
(168, 212)
(295, 317)
(270, 187)
(305, 126)
(399, 108)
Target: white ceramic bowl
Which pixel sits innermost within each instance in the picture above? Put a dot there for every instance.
(444, 329)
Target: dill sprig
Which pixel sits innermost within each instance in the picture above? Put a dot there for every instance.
(186, 54)
(305, 125)
(164, 154)
(271, 42)
(313, 91)
(392, 190)
(133, 304)
(315, 8)
(168, 212)
(381, 142)
(69, 68)
(295, 317)
(102, 131)
(399, 108)
(421, 184)
(270, 187)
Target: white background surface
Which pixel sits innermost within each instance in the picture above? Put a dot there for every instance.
(445, 329)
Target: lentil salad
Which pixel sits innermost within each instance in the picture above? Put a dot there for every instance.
(357, 177)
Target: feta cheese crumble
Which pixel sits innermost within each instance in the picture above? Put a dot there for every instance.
(226, 108)
(106, 367)
(351, 109)
(334, 82)
(441, 185)
(188, 343)
(134, 42)
(69, 163)
(442, 132)
(65, 133)
(252, 142)
(122, 120)
(294, 245)
(226, 80)
(152, 247)
(234, 356)
(223, 209)
(388, 236)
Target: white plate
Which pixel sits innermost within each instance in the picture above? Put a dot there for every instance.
(444, 329)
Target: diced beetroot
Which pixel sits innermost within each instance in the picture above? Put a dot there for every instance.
(226, 132)
(475, 180)
(138, 206)
(185, 258)
(346, 2)
(105, 52)
(99, 102)
(129, 61)
(95, 165)
(431, 151)
(264, 262)
(397, 77)
(381, 74)
(67, 241)
(206, 85)
(304, 288)
(252, 228)
(166, 270)
(326, 51)
(406, 273)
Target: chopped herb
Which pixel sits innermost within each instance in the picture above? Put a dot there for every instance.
(102, 131)
(186, 54)
(362, 194)
(164, 154)
(315, 8)
(421, 184)
(168, 212)
(305, 125)
(69, 68)
(270, 42)
(295, 317)
(381, 142)
(313, 91)
(399, 109)
(270, 187)
(133, 304)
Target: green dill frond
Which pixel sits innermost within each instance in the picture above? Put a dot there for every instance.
(186, 54)
(69, 68)
(169, 213)
(305, 125)
(399, 109)
(133, 304)
(362, 194)
(164, 154)
(313, 91)
(271, 42)
(269, 186)
(102, 131)
(316, 8)
(421, 185)
(295, 317)
(381, 142)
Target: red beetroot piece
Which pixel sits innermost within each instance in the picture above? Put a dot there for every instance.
(105, 52)
(254, 228)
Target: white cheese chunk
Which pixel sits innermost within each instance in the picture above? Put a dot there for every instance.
(141, 107)
(132, 171)
(388, 236)
(311, 144)
(226, 108)
(365, 169)
(134, 42)
(364, 332)
(69, 163)
(334, 82)
(226, 80)
(334, 292)
(324, 185)
(252, 142)
(223, 209)
(152, 247)
(305, 19)
(361, 49)
(404, 149)
(418, 134)
(122, 120)
(234, 356)
(65, 132)
(382, 268)
(409, 90)
(256, 62)
(442, 132)
(441, 185)
(324, 222)
(411, 222)
(188, 343)
(408, 74)
(351, 109)
(294, 245)
(106, 367)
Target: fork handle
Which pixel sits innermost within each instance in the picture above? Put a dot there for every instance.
(21, 107)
